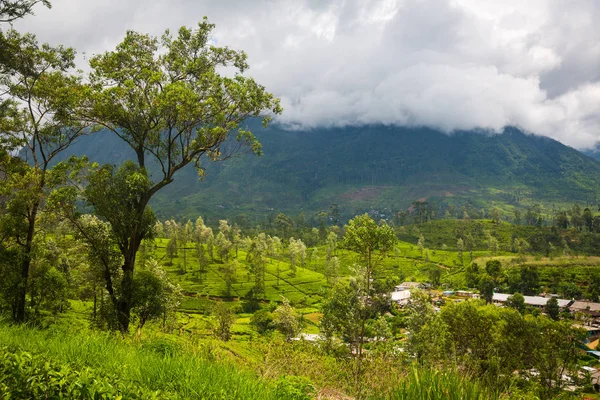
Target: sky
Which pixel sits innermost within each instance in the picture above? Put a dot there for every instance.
(446, 64)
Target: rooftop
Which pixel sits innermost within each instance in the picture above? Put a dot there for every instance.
(585, 306)
(530, 300)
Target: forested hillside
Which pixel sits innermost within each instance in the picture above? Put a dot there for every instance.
(370, 167)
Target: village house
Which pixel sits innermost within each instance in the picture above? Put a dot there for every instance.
(592, 310)
(533, 301)
(400, 297)
(409, 285)
(467, 294)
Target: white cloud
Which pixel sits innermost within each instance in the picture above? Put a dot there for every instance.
(449, 64)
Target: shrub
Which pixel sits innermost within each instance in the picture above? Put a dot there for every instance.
(295, 388)
(27, 376)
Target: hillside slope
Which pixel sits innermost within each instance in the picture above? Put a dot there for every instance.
(367, 167)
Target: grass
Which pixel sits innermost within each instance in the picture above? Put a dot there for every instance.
(425, 384)
(308, 285)
(159, 365)
(305, 285)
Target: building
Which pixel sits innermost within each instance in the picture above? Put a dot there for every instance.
(586, 307)
(467, 294)
(533, 301)
(409, 285)
(401, 297)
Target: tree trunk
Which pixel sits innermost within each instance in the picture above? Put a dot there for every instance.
(25, 266)
(124, 302)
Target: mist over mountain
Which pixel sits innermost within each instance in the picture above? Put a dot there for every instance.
(371, 167)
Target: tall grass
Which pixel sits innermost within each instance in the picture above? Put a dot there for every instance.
(426, 384)
(157, 367)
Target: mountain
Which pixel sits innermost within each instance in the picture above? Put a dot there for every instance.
(372, 167)
(593, 153)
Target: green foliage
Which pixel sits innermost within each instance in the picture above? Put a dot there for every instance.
(154, 296)
(295, 388)
(492, 342)
(262, 321)
(166, 99)
(38, 122)
(508, 171)
(286, 320)
(516, 301)
(364, 236)
(11, 10)
(173, 375)
(27, 376)
(224, 319)
(427, 384)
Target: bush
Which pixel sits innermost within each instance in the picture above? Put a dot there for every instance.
(427, 384)
(295, 388)
(27, 376)
(262, 321)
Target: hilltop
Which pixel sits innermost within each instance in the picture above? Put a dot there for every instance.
(361, 168)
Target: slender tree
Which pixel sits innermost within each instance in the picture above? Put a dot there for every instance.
(39, 94)
(166, 99)
(371, 241)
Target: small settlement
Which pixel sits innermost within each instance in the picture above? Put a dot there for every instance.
(588, 312)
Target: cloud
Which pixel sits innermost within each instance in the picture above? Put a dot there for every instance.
(448, 64)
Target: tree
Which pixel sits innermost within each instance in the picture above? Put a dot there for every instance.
(516, 301)
(284, 225)
(460, 245)
(185, 234)
(37, 121)
(172, 249)
(576, 217)
(230, 275)
(556, 354)
(262, 321)
(486, 287)
(286, 320)
(426, 335)
(297, 252)
(342, 313)
(224, 319)
(496, 215)
(166, 99)
(421, 243)
(588, 219)
(561, 220)
(472, 275)
(11, 10)
(434, 273)
(372, 242)
(257, 257)
(493, 268)
(223, 245)
(201, 256)
(369, 240)
(154, 295)
(332, 239)
(552, 308)
(332, 269)
(493, 245)
(529, 280)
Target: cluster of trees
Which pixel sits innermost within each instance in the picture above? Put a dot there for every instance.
(164, 97)
(493, 343)
(223, 249)
(422, 211)
(527, 280)
(535, 215)
(576, 218)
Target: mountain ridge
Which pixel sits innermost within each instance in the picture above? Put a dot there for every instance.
(381, 167)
